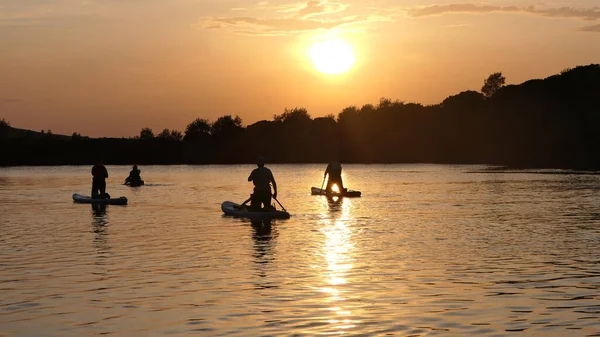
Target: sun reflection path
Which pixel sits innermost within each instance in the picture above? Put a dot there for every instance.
(337, 251)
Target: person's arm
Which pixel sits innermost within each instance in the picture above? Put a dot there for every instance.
(274, 186)
(245, 202)
(251, 176)
(105, 173)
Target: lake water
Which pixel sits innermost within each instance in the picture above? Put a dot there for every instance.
(428, 250)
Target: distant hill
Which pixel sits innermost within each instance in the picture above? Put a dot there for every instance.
(543, 123)
(14, 133)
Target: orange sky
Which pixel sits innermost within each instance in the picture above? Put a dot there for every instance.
(111, 67)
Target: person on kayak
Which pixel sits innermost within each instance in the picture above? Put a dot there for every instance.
(262, 177)
(99, 174)
(334, 170)
(134, 176)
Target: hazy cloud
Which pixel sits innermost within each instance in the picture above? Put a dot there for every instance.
(314, 7)
(322, 14)
(295, 18)
(589, 14)
(594, 28)
(251, 25)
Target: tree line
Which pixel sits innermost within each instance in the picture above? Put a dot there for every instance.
(550, 122)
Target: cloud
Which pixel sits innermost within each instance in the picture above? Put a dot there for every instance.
(455, 8)
(255, 26)
(295, 18)
(313, 7)
(306, 9)
(588, 14)
(594, 29)
(321, 14)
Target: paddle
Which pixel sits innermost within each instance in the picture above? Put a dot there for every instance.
(323, 184)
(280, 204)
(245, 202)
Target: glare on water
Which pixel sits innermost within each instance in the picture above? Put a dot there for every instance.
(428, 250)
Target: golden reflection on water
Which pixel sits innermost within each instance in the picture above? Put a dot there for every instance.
(337, 250)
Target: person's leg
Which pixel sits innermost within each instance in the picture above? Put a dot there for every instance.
(255, 202)
(267, 200)
(339, 183)
(261, 199)
(94, 190)
(103, 189)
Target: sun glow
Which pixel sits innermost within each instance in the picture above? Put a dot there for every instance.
(332, 56)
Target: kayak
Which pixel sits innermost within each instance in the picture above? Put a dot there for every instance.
(347, 194)
(82, 199)
(233, 209)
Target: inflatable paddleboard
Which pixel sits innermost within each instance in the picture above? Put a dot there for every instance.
(347, 194)
(82, 199)
(136, 184)
(233, 209)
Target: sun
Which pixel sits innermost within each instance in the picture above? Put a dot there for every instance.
(332, 56)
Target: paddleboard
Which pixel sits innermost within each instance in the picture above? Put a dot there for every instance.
(233, 209)
(137, 184)
(347, 194)
(82, 199)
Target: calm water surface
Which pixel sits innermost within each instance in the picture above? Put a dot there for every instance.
(427, 251)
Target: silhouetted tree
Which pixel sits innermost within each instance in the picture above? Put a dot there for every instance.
(367, 108)
(171, 135)
(550, 122)
(566, 70)
(4, 128)
(465, 99)
(494, 82)
(4, 123)
(226, 127)
(176, 135)
(348, 113)
(197, 130)
(293, 115)
(165, 134)
(389, 103)
(146, 133)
